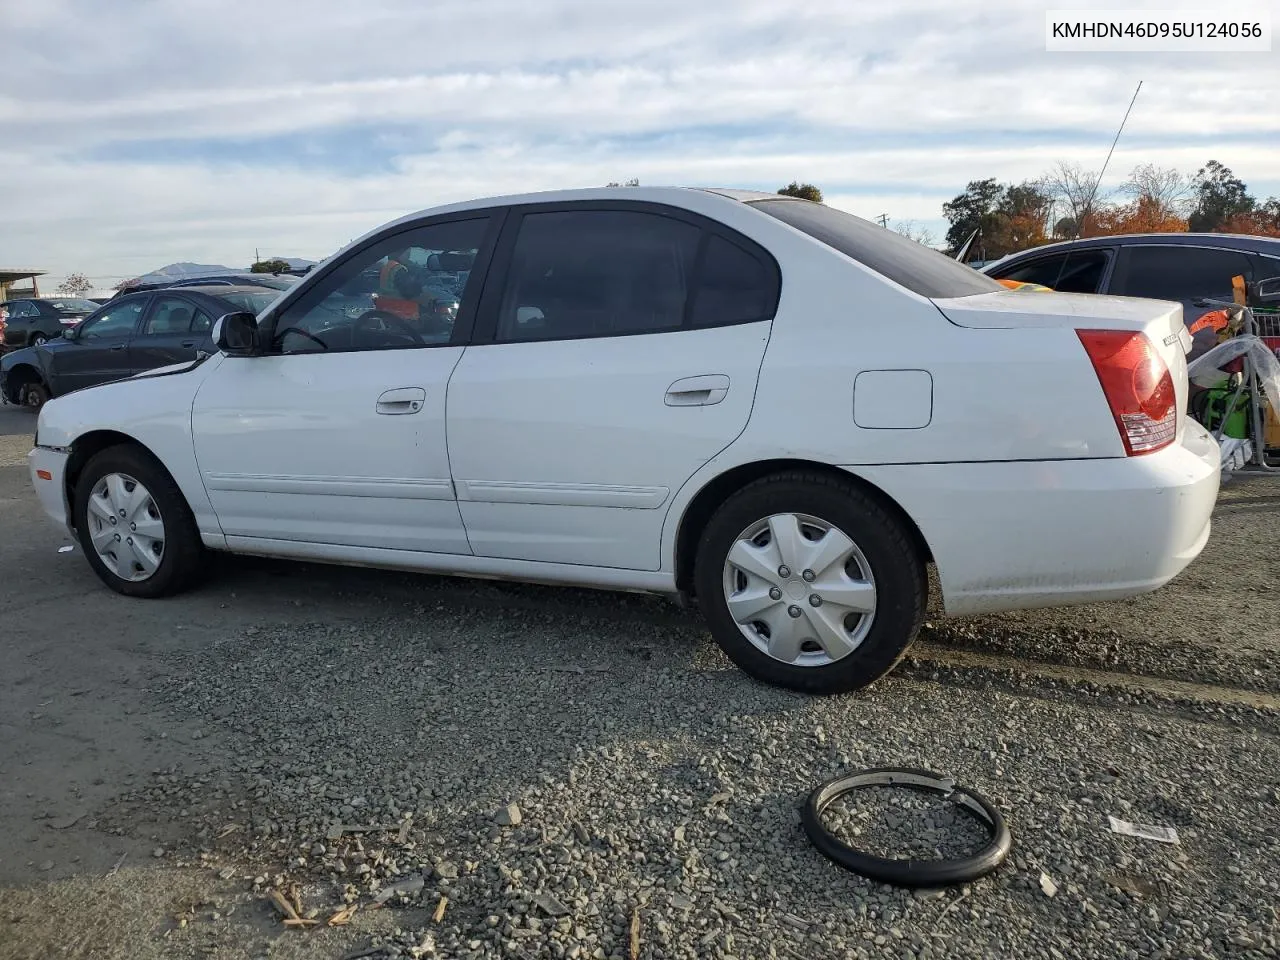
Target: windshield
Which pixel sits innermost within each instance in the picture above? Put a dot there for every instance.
(253, 302)
(73, 305)
(905, 262)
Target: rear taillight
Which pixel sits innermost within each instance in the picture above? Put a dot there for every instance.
(1138, 387)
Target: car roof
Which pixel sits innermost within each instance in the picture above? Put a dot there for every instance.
(220, 290)
(676, 196)
(684, 197)
(1230, 241)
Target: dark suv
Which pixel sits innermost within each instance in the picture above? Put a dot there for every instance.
(33, 320)
(1187, 267)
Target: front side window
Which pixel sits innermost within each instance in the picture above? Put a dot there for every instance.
(251, 302)
(1268, 268)
(404, 291)
(18, 310)
(116, 323)
(1181, 273)
(597, 273)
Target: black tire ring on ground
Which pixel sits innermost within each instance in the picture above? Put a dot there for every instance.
(908, 873)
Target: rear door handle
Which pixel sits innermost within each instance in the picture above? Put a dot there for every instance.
(698, 391)
(118, 346)
(402, 400)
(188, 343)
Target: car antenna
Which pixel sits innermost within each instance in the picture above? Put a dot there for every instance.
(1097, 183)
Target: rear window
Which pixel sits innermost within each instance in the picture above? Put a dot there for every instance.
(73, 305)
(905, 262)
(252, 302)
(275, 283)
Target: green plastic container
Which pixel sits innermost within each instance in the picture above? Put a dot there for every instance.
(1238, 417)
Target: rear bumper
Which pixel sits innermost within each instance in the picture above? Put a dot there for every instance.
(48, 476)
(1016, 536)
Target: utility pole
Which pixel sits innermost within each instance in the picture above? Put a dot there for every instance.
(884, 220)
(256, 258)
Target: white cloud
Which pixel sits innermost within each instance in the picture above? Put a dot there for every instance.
(195, 129)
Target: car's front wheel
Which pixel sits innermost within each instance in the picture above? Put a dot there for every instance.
(809, 582)
(34, 395)
(38, 338)
(135, 526)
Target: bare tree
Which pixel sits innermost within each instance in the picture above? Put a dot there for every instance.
(912, 231)
(633, 182)
(1162, 188)
(1077, 190)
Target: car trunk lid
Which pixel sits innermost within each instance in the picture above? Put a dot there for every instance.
(1160, 320)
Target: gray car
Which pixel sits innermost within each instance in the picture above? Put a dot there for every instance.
(1191, 268)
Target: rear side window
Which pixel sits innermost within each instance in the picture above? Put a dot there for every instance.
(597, 273)
(1180, 273)
(734, 286)
(169, 316)
(905, 262)
(1077, 271)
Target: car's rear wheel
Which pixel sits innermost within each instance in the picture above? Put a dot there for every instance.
(809, 582)
(135, 526)
(38, 338)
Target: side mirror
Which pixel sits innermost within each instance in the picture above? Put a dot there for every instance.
(236, 334)
(1267, 291)
(69, 333)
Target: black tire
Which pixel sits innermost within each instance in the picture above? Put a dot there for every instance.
(34, 395)
(908, 873)
(37, 339)
(898, 570)
(183, 556)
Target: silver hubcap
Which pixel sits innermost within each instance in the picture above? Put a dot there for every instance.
(126, 527)
(799, 589)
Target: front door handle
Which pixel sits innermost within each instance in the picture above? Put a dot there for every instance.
(188, 343)
(402, 400)
(118, 346)
(698, 391)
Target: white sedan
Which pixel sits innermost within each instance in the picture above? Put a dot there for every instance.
(780, 409)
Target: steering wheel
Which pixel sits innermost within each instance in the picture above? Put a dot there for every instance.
(388, 319)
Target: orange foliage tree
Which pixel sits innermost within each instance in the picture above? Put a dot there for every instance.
(1262, 221)
(1144, 215)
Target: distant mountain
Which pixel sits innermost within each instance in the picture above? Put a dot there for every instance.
(189, 270)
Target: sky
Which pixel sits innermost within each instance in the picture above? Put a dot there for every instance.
(144, 133)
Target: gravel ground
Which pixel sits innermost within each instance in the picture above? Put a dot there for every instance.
(899, 823)
(485, 770)
(553, 801)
